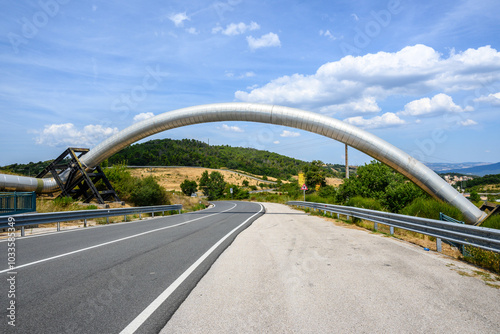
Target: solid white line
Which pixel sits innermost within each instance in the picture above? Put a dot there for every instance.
(144, 315)
(112, 242)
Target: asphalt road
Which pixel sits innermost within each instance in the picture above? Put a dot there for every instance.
(120, 278)
(294, 273)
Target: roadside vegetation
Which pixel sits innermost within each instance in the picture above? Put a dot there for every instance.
(378, 187)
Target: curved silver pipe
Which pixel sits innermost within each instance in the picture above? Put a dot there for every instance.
(329, 127)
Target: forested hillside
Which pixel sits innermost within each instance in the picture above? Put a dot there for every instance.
(189, 152)
(193, 153)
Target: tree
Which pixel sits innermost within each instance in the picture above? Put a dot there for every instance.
(474, 196)
(315, 174)
(245, 183)
(189, 187)
(212, 185)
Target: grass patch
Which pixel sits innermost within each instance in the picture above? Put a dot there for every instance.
(483, 258)
(492, 222)
(430, 208)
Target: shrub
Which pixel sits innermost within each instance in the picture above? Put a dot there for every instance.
(366, 203)
(148, 192)
(189, 187)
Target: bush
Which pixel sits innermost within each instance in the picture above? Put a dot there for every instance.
(148, 192)
(122, 181)
(366, 203)
(189, 187)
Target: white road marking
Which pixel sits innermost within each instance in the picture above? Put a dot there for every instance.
(144, 315)
(110, 242)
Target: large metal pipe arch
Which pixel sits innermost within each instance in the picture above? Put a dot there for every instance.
(329, 127)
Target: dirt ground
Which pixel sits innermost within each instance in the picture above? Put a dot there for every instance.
(171, 178)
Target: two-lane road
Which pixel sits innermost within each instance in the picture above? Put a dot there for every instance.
(126, 278)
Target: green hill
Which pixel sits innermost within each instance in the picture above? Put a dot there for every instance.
(189, 152)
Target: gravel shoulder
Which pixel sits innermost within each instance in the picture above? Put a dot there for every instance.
(293, 273)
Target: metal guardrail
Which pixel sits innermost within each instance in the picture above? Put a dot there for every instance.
(482, 237)
(23, 220)
(17, 202)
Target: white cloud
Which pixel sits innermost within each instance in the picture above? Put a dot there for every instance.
(178, 19)
(385, 121)
(414, 70)
(192, 31)
(355, 17)
(439, 104)
(276, 142)
(287, 133)
(493, 99)
(361, 106)
(67, 134)
(143, 116)
(468, 122)
(226, 127)
(268, 40)
(236, 28)
(242, 76)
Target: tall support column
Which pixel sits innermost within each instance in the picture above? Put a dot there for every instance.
(346, 162)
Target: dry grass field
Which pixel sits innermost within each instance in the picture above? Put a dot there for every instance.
(171, 178)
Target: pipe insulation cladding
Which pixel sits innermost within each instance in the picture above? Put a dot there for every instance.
(326, 126)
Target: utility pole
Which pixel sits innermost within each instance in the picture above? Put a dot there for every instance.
(346, 162)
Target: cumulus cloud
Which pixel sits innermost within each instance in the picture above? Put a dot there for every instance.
(226, 127)
(233, 29)
(178, 19)
(143, 116)
(493, 99)
(387, 120)
(287, 133)
(439, 104)
(265, 41)
(361, 106)
(414, 70)
(276, 142)
(67, 134)
(468, 122)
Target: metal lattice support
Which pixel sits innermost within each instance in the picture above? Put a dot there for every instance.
(79, 182)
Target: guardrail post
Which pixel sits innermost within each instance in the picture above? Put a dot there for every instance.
(85, 222)
(140, 215)
(107, 220)
(152, 214)
(22, 231)
(58, 226)
(125, 218)
(375, 226)
(438, 245)
(179, 211)
(392, 229)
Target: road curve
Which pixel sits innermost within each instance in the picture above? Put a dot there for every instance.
(127, 277)
(293, 273)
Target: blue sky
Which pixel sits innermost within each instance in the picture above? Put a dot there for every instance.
(423, 75)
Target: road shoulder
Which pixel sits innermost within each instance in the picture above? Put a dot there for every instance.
(290, 272)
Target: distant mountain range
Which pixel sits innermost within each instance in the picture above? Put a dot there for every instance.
(469, 168)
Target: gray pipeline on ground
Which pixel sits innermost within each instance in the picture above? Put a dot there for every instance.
(326, 126)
